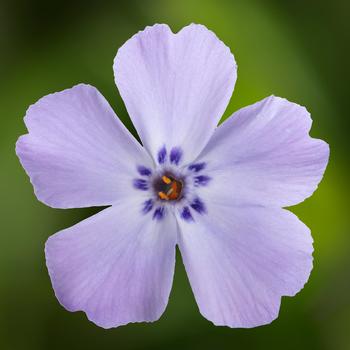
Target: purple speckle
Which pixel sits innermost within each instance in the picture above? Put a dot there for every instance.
(159, 213)
(197, 167)
(143, 171)
(186, 214)
(162, 155)
(198, 206)
(140, 184)
(175, 155)
(147, 206)
(201, 180)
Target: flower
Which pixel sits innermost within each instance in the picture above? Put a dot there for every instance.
(216, 192)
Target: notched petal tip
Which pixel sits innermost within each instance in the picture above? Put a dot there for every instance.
(246, 325)
(20, 146)
(164, 79)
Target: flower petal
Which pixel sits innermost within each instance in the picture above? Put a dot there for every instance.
(77, 152)
(263, 154)
(240, 261)
(175, 86)
(116, 266)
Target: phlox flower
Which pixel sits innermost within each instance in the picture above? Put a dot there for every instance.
(217, 192)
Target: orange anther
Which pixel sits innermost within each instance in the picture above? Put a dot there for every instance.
(166, 180)
(162, 195)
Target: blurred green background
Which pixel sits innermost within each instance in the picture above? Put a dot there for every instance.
(295, 49)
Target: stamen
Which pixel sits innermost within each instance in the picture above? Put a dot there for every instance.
(170, 191)
(162, 195)
(166, 180)
(168, 188)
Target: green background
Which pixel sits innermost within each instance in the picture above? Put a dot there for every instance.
(295, 49)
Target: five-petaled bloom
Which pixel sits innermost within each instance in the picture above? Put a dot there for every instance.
(216, 192)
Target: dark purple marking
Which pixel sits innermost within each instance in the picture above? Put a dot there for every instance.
(197, 167)
(186, 214)
(159, 213)
(143, 171)
(175, 155)
(147, 206)
(162, 155)
(198, 206)
(140, 184)
(201, 180)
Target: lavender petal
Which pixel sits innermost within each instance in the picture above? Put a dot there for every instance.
(95, 265)
(175, 86)
(240, 268)
(71, 162)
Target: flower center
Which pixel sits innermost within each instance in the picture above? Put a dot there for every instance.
(168, 188)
